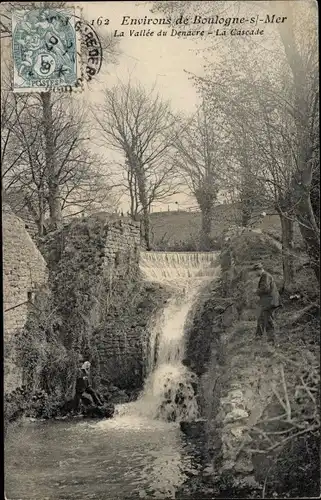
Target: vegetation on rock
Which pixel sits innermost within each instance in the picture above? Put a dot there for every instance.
(278, 443)
(94, 292)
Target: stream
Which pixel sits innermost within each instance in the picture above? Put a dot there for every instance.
(139, 453)
(122, 458)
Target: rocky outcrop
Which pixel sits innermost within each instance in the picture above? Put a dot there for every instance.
(96, 305)
(250, 389)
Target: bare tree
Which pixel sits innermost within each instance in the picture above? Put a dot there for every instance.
(47, 168)
(261, 146)
(264, 113)
(295, 47)
(139, 125)
(302, 57)
(80, 181)
(199, 157)
(243, 172)
(12, 107)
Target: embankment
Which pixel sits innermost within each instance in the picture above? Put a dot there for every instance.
(261, 403)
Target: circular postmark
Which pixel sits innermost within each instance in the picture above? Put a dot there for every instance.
(89, 54)
(91, 51)
(44, 48)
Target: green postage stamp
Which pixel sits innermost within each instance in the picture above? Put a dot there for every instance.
(44, 45)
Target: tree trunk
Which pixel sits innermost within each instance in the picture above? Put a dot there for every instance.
(302, 180)
(247, 183)
(309, 231)
(146, 227)
(144, 203)
(315, 193)
(41, 219)
(132, 185)
(287, 249)
(206, 228)
(301, 186)
(55, 213)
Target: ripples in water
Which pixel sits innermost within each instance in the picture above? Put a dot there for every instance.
(125, 457)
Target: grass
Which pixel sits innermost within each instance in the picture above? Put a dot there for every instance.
(176, 227)
(170, 229)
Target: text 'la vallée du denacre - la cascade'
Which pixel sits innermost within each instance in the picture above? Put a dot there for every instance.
(215, 25)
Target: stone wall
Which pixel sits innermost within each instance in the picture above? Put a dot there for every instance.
(123, 340)
(102, 305)
(24, 272)
(95, 303)
(117, 248)
(15, 199)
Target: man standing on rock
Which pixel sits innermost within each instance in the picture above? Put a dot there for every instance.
(269, 300)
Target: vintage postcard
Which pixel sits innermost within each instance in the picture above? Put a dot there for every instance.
(160, 167)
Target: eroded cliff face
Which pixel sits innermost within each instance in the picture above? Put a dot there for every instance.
(260, 402)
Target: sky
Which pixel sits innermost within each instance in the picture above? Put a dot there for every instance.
(161, 60)
(158, 61)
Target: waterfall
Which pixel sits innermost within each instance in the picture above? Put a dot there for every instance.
(169, 388)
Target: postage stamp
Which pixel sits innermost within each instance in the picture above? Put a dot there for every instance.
(44, 44)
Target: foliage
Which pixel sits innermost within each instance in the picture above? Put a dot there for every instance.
(46, 364)
(49, 347)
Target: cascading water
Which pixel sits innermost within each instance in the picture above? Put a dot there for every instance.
(137, 454)
(169, 389)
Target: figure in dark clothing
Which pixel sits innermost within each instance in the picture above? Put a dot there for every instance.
(269, 301)
(84, 388)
